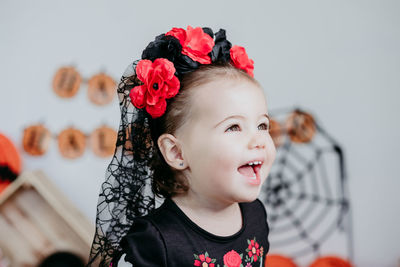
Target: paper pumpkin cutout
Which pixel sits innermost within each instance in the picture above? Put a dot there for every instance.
(36, 140)
(330, 261)
(275, 260)
(102, 141)
(300, 127)
(101, 89)
(71, 143)
(66, 82)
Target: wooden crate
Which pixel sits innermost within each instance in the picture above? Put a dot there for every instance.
(36, 219)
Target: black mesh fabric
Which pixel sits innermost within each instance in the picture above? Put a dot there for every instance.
(126, 192)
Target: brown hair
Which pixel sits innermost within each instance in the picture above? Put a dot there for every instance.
(166, 181)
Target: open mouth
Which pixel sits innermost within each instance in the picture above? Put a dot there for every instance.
(251, 171)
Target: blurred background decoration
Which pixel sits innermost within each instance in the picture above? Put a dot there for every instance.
(72, 142)
(37, 220)
(306, 193)
(101, 88)
(10, 162)
(338, 59)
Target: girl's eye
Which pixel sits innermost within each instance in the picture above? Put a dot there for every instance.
(233, 128)
(264, 126)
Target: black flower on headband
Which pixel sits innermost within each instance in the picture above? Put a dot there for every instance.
(169, 47)
(163, 47)
(220, 52)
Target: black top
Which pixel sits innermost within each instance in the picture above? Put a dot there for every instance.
(167, 237)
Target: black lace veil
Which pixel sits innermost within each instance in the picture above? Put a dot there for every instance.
(126, 192)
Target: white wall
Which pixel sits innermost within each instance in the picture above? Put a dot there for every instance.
(339, 59)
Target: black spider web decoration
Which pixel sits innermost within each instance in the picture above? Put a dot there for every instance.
(305, 193)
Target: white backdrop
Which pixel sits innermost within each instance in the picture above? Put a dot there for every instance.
(338, 59)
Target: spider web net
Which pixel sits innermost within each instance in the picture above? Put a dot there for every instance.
(305, 194)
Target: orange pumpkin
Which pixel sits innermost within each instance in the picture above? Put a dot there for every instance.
(275, 260)
(331, 261)
(10, 162)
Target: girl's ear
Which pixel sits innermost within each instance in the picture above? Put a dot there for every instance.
(171, 150)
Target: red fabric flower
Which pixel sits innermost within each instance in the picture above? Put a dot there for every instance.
(254, 250)
(196, 44)
(241, 60)
(159, 83)
(232, 259)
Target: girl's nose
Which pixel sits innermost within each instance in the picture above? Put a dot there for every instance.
(257, 141)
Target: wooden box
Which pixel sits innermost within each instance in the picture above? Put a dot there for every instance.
(36, 220)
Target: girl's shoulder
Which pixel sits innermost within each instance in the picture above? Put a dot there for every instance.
(143, 245)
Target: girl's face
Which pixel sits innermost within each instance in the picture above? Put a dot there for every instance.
(228, 128)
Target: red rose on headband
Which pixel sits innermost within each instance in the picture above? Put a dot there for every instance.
(196, 44)
(241, 60)
(232, 259)
(159, 83)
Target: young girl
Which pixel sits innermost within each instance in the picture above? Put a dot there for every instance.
(193, 151)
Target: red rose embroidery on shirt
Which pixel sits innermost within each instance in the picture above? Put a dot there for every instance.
(232, 259)
(241, 60)
(204, 260)
(159, 83)
(196, 44)
(253, 249)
